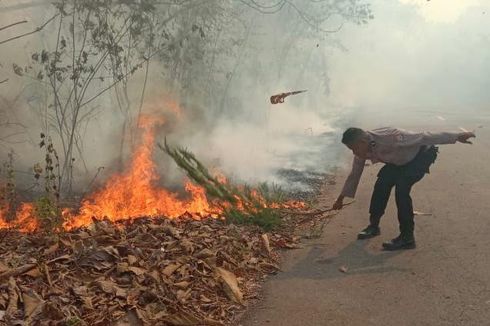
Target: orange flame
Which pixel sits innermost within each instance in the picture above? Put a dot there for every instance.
(3, 218)
(135, 193)
(23, 221)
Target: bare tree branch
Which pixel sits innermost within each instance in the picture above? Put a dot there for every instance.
(11, 25)
(29, 33)
(269, 10)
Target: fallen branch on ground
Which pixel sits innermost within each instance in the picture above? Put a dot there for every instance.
(316, 212)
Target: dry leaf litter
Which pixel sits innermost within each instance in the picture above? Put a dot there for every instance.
(141, 272)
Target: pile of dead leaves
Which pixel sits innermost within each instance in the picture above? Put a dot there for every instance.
(144, 272)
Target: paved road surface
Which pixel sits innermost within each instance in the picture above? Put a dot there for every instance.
(445, 281)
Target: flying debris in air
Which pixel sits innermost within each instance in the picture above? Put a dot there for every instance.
(279, 98)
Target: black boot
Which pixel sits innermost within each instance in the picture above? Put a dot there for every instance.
(399, 243)
(370, 232)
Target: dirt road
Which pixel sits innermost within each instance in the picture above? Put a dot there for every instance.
(445, 281)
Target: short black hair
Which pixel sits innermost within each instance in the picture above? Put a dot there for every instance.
(351, 135)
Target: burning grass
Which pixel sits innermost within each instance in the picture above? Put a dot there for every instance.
(135, 193)
(240, 204)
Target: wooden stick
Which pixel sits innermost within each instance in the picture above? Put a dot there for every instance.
(319, 212)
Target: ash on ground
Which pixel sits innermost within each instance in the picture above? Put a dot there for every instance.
(304, 185)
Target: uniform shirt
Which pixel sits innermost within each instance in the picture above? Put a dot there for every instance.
(393, 146)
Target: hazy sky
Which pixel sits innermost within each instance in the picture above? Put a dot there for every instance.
(442, 11)
(415, 53)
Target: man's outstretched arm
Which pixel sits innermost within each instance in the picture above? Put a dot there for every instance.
(351, 183)
(433, 138)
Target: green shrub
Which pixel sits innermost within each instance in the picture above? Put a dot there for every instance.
(48, 214)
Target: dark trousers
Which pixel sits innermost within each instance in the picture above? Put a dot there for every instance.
(402, 178)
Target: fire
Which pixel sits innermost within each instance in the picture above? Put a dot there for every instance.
(135, 193)
(220, 177)
(292, 204)
(3, 218)
(258, 198)
(23, 220)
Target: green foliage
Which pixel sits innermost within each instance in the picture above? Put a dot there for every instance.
(73, 321)
(266, 218)
(49, 214)
(47, 207)
(272, 193)
(200, 174)
(241, 204)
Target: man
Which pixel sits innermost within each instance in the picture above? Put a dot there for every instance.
(407, 157)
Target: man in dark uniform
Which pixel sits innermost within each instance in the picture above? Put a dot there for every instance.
(407, 157)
